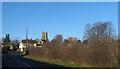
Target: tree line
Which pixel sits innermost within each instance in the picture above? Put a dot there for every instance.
(99, 47)
(6, 42)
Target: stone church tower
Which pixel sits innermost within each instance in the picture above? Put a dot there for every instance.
(44, 36)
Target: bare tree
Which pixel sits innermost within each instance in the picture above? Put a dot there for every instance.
(59, 39)
(98, 30)
(100, 51)
(100, 36)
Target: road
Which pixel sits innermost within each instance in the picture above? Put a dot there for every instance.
(0, 61)
(15, 61)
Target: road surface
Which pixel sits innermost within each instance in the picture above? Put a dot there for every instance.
(0, 61)
(14, 61)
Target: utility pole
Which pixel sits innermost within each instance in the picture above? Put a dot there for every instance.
(26, 40)
(26, 33)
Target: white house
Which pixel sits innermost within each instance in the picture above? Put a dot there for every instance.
(23, 44)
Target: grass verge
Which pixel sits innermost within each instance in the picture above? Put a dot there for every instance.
(53, 62)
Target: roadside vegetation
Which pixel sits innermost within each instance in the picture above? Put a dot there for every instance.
(9, 44)
(98, 49)
(52, 62)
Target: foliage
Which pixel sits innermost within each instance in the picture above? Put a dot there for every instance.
(15, 43)
(98, 49)
(6, 40)
(5, 49)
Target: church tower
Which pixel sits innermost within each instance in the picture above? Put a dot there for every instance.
(44, 36)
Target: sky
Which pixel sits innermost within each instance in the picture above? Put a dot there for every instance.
(60, 0)
(65, 18)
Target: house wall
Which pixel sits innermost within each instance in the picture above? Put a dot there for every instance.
(22, 46)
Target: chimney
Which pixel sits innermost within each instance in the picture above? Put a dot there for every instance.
(31, 38)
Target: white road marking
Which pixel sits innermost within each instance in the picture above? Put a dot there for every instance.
(26, 64)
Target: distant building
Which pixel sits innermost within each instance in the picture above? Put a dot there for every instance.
(24, 43)
(9, 45)
(31, 42)
(44, 38)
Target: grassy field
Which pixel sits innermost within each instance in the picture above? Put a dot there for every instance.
(53, 62)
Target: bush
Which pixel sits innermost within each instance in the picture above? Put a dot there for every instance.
(98, 49)
(93, 54)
